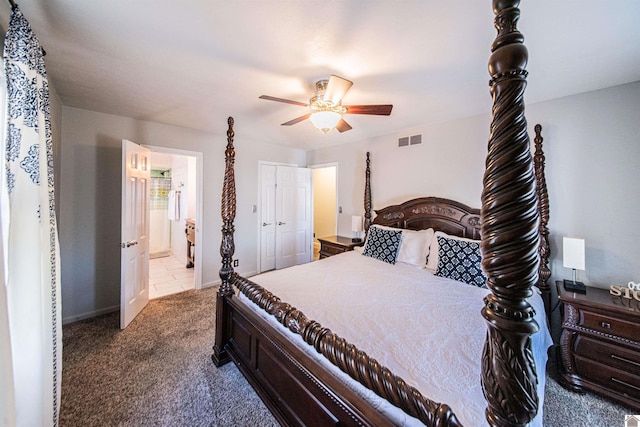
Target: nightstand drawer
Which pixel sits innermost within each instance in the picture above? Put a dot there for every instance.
(609, 354)
(610, 325)
(622, 382)
(330, 249)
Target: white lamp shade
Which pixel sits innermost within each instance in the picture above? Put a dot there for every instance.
(573, 253)
(356, 223)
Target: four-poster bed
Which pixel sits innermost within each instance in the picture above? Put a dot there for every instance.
(301, 389)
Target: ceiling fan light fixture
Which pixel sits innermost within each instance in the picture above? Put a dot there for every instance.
(326, 109)
(325, 120)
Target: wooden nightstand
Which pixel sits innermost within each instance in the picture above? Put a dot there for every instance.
(336, 245)
(600, 344)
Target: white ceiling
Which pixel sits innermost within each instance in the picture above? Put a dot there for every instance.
(193, 63)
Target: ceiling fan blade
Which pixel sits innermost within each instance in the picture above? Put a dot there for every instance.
(376, 110)
(343, 126)
(336, 89)
(287, 101)
(296, 120)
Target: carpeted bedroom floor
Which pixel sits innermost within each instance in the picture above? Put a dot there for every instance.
(158, 372)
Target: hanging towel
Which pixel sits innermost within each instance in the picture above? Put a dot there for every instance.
(173, 206)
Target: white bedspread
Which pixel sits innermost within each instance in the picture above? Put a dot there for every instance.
(426, 329)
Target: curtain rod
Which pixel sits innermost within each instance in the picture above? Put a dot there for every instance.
(13, 6)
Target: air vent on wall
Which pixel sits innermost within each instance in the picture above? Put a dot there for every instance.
(412, 140)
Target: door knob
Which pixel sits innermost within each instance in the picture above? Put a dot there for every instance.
(132, 243)
(281, 223)
(264, 224)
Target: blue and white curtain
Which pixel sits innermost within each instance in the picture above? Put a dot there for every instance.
(30, 324)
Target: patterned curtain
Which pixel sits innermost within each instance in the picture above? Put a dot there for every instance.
(30, 324)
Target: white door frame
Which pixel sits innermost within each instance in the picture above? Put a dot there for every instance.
(327, 165)
(259, 207)
(199, 192)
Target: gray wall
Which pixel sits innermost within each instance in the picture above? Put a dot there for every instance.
(90, 200)
(592, 147)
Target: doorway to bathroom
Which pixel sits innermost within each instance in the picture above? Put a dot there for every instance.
(174, 232)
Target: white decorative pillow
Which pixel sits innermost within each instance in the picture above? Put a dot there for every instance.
(414, 247)
(432, 259)
(382, 244)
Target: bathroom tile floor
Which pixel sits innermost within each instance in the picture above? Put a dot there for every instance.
(168, 275)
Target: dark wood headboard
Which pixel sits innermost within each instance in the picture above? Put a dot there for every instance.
(440, 214)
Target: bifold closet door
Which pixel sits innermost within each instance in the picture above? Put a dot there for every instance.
(293, 216)
(287, 217)
(268, 217)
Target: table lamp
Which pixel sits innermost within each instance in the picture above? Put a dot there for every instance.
(573, 257)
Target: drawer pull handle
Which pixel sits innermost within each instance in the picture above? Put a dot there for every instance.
(622, 359)
(615, 380)
(605, 325)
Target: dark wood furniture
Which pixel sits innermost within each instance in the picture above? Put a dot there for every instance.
(334, 245)
(190, 231)
(446, 215)
(299, 391)
(600, 344)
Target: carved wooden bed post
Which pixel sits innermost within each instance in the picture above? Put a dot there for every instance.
(227, 247)
(509, 231)
(543, 208)
(367, 196)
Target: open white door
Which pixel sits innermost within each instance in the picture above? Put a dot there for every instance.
(134, 263)
(294, 243)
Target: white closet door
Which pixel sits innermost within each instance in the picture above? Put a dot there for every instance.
(268, 217)
(293, 216)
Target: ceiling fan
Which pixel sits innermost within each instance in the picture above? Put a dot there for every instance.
(325, 106)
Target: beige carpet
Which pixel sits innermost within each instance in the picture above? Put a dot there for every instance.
(158, 372)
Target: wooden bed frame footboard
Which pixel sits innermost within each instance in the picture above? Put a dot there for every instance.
(300, 392)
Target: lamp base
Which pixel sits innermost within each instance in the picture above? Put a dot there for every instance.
(577, 287)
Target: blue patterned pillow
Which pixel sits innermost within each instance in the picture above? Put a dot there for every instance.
(460, 260)
(382, 244)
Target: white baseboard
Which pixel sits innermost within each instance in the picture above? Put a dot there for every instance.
(90, 314)
(210, 284)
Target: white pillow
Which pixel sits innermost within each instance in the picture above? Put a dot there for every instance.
(432, 259)
(414, 247)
